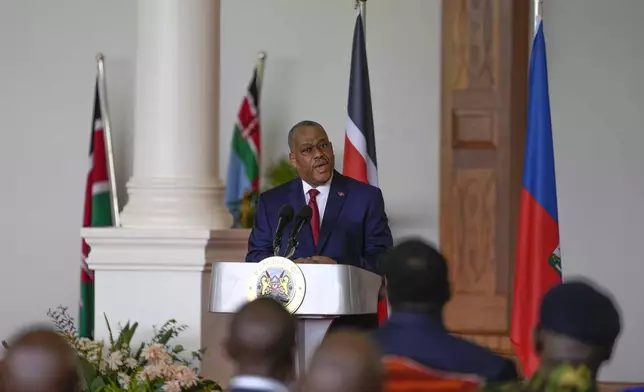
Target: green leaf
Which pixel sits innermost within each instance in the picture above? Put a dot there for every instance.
(128, 335)
(164, 338)
(87, 372)
(280, 172)
(177, 349)
(138, 353)
(97, 385)
(109, 329)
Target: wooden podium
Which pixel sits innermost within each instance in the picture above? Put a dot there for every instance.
(318, 293)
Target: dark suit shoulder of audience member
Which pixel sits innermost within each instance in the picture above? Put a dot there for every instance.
(418, 289)
(425, 340)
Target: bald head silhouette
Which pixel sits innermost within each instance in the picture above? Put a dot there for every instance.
(262, 340)
(40, 360)
(345, 361)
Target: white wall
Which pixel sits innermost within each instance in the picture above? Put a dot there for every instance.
(46, 89)
(47, 73)
(307, 74)
(595, 56)
(46, 84)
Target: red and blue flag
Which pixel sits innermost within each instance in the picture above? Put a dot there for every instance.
(538, 263)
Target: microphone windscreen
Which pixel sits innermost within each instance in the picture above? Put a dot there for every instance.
(286, 212)
(305, 213)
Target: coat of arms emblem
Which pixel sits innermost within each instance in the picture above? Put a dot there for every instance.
(280, 279)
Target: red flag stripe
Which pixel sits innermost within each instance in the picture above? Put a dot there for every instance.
(354, 164)
(538, 238)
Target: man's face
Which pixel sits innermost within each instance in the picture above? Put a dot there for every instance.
(312, 155)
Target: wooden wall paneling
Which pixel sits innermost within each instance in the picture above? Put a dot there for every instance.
(484, 99)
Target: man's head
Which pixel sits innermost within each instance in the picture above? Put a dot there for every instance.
(40, 360)
(262, 339)
(345, 361)
(311, 152)
(577, 324)
(416, 277)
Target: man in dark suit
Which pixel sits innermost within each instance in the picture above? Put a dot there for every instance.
(261, 342)
(349, 224)
(418, 289)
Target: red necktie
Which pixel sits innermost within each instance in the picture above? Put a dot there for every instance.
(315, 218)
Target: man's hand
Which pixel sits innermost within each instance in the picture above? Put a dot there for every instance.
(315, 260)
(322, 260)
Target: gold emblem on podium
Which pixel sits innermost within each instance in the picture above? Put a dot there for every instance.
(280, 279)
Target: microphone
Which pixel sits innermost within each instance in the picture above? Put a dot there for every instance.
(302, 217)
(285, 216)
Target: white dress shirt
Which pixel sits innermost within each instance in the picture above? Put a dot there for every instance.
(321, 198)
(257, 383)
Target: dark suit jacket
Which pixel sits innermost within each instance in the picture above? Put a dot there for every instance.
(355, 229)
(249, 390)
(425, 340)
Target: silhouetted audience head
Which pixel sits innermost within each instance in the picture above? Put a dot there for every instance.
(345, 361)
(262, 340)
(40, 360)
(578, 324)
(416, 276)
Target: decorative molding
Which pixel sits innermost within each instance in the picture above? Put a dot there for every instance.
(126, 249)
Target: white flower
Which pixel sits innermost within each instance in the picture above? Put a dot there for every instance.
(155, 353)
(114, 360)
(171, 386)
(154, 371)
(124, 381)
(186, 376)
(131, 363)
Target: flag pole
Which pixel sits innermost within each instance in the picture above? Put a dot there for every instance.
(261, 60)
(362, 4)
(107, 132)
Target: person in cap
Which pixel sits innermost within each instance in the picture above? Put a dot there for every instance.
(418, 288)
(577, 331)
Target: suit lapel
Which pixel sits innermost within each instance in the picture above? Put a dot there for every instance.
(334, 203)
(297, 201)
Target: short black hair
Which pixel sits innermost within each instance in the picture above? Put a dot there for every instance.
(301, 124)
(416, 273)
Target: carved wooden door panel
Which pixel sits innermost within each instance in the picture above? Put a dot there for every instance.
(484, 81)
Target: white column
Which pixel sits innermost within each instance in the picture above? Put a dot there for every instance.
(157, 266)
(175, 181)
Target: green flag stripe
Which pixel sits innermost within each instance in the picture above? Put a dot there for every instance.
(101, 214)
(245, 154)
(86, 322)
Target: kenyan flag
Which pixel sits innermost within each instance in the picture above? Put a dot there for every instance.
(242, 184)
(97, 213)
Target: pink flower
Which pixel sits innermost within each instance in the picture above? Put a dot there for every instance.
(186, 376)
(155, 353)
(171, 386)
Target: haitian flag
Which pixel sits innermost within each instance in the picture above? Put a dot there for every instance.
(538, 263)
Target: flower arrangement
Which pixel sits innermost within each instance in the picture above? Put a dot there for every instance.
(116, 366)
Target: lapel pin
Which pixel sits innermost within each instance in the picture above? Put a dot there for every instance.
(341, 194)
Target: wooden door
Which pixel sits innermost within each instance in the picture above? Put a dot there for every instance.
(484, 99)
